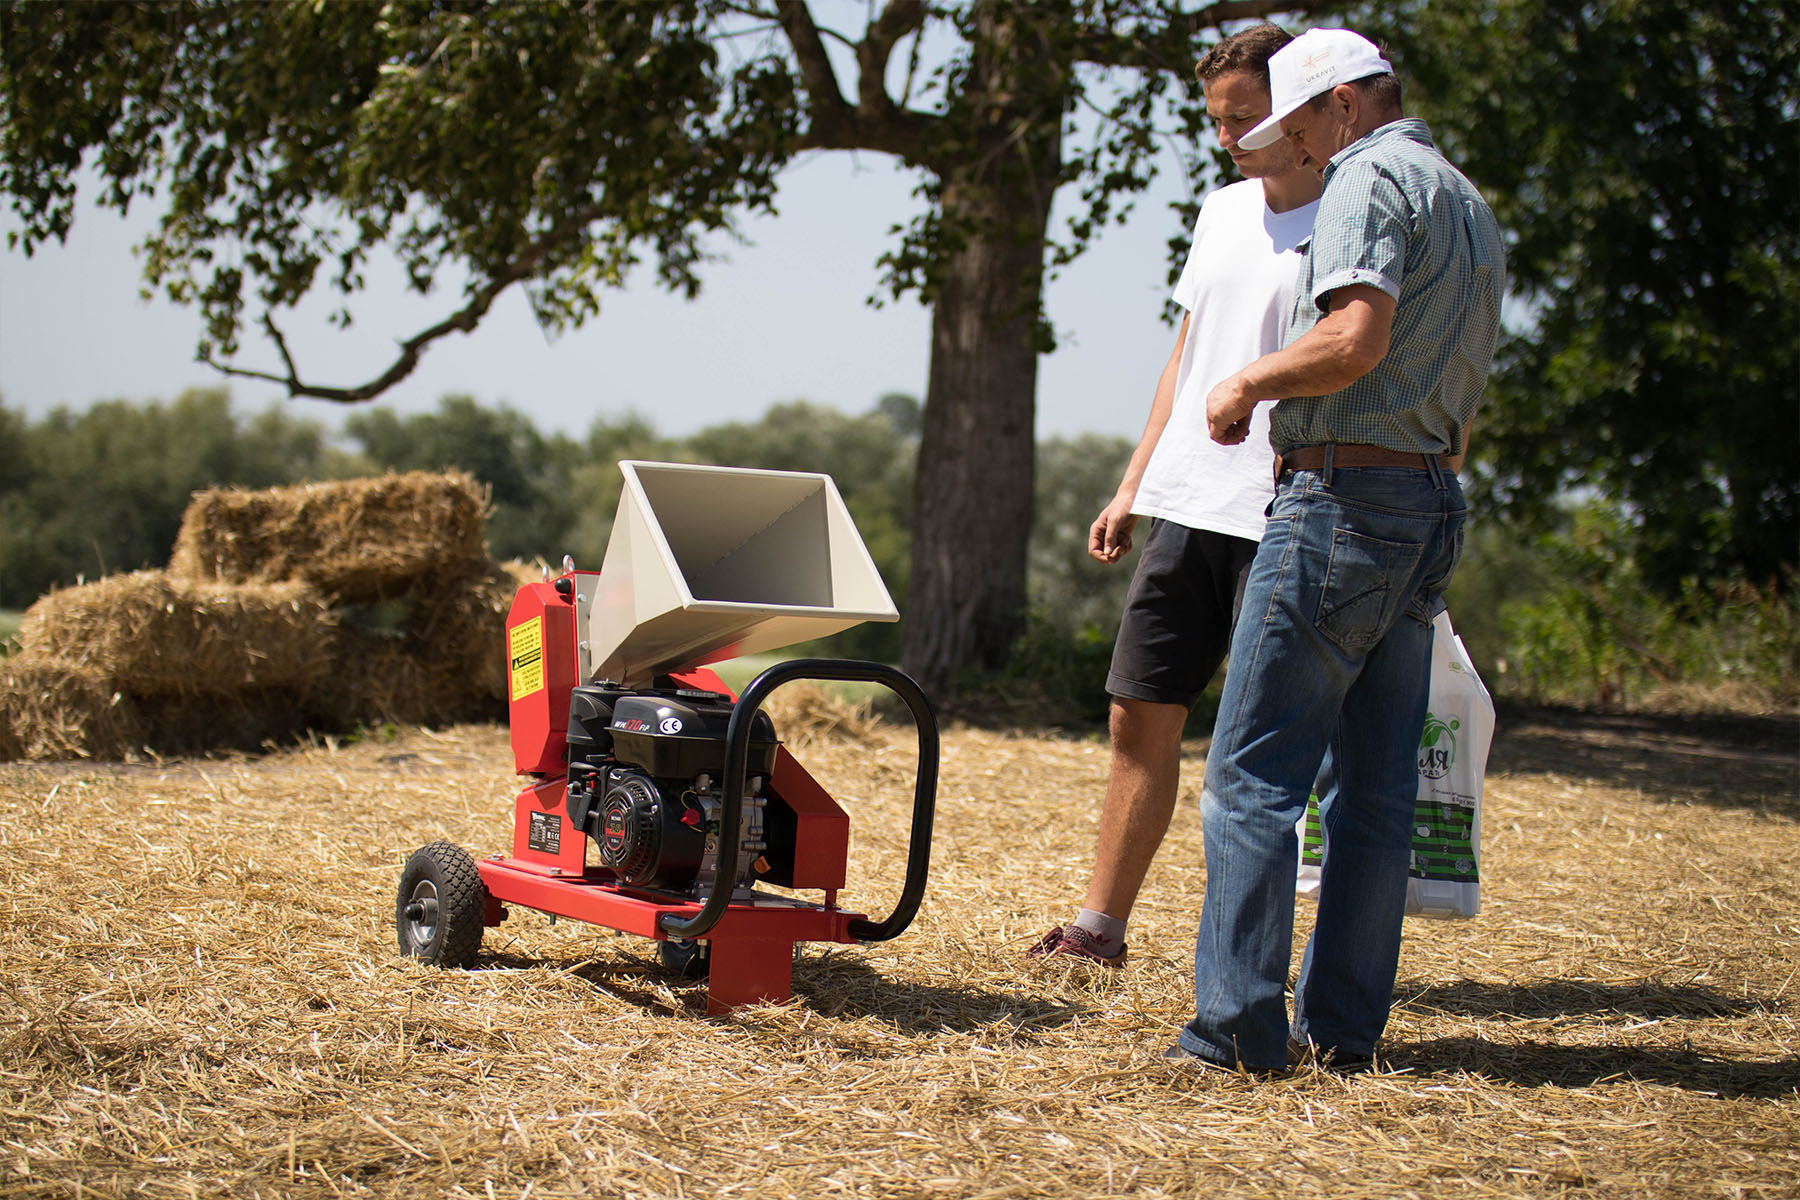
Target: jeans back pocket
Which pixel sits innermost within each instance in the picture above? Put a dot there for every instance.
(1367, 584)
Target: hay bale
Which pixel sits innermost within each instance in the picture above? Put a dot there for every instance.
(52, 710)
(461, 623)
(247, 720)
(807, 713)
(12, 746)
(383, 678)
(156, 636)
(357, 541)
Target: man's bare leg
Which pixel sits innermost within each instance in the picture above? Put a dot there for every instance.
(1140, 800)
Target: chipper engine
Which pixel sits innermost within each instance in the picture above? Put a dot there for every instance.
(658, 802)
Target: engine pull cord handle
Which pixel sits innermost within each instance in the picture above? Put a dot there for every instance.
(737, 763)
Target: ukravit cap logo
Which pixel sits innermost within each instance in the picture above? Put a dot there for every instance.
(1315, 67)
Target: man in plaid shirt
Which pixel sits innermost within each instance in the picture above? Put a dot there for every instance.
(1384, 363)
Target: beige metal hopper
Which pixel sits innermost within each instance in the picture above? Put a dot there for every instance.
(709, 563)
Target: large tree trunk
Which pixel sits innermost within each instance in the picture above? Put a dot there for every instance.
(972, 495)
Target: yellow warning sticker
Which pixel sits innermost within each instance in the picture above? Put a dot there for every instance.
(525, 658)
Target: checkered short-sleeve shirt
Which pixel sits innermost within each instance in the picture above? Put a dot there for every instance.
(1397, 216)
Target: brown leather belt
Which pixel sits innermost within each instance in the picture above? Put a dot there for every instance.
(1312, 458)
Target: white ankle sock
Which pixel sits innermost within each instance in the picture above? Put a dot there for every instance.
(1107, 931)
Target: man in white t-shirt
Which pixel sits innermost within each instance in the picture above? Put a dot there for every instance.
(1206, 500)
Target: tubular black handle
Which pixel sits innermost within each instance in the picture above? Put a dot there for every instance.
(737, 763)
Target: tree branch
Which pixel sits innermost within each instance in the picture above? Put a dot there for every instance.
(1107, 49)
(825, 101)
(897, 19)
(876, 122)
(463, 320)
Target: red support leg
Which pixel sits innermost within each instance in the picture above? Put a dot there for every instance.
(745, 970)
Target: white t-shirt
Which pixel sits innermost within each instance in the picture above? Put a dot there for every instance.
(1238, 286)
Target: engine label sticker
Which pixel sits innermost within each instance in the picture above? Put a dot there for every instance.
(544, 833)
(525, 658)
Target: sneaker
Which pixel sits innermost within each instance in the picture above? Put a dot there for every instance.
(1320, 1058)
(1181, 1056)
(1077, 943)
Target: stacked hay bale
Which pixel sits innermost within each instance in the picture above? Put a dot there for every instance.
(355, 541)
(387, 554)
(436, 655)
(200, 664)
(51, 711)
(322, 606)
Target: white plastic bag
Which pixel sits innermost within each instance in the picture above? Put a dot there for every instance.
(1445, 879)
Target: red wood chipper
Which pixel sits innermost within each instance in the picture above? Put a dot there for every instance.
(659, 803)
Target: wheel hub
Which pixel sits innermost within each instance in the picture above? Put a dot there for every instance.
(422, 912)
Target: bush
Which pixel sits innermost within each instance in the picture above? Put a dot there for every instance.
(1599, 636)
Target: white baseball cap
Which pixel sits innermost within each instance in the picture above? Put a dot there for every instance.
(1316, 61)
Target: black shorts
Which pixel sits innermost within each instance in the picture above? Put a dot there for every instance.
(1178, 615)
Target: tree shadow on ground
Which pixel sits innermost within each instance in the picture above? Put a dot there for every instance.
(1562, 997)
(1546, 1064)
(1727, 762)
(1537, 1063)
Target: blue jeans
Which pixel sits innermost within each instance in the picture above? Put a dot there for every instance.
(1332, 653)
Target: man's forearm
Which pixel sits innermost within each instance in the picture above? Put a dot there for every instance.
(1345, 345)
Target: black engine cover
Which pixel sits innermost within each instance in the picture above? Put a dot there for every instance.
(634, 758)
(678, 735)
(649, 838)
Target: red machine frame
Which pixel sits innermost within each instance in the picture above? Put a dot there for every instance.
(751, 942)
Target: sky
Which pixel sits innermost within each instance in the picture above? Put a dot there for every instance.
(781, 318)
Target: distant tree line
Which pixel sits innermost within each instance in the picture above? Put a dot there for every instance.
(103, 490)
(1560, 615)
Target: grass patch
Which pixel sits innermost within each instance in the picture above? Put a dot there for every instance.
(9, 630)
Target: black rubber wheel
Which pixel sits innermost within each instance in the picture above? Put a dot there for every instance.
(684, 958)
(441, 906)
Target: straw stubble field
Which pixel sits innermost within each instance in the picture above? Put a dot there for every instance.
(199, 995)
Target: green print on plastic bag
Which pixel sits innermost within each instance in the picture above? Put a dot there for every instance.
(1437, 746)
(1443, 836)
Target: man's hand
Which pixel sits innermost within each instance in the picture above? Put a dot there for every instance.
(1228, 409)
(1109, 537)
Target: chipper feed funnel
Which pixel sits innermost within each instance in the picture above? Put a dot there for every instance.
(709, 563)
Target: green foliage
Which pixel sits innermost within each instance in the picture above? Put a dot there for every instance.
(1076, 478)
(1564, 616)
(1598, 635)
(1057, 672)
(554, 143)
(308, 135)
(1027, 99)
(595, 484)
(1501, 566)
(1647, 191)
(526, 473)
(1641, 156)
(103, 491)
(1056, 676)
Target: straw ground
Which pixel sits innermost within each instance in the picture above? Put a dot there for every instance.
(199, 995)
